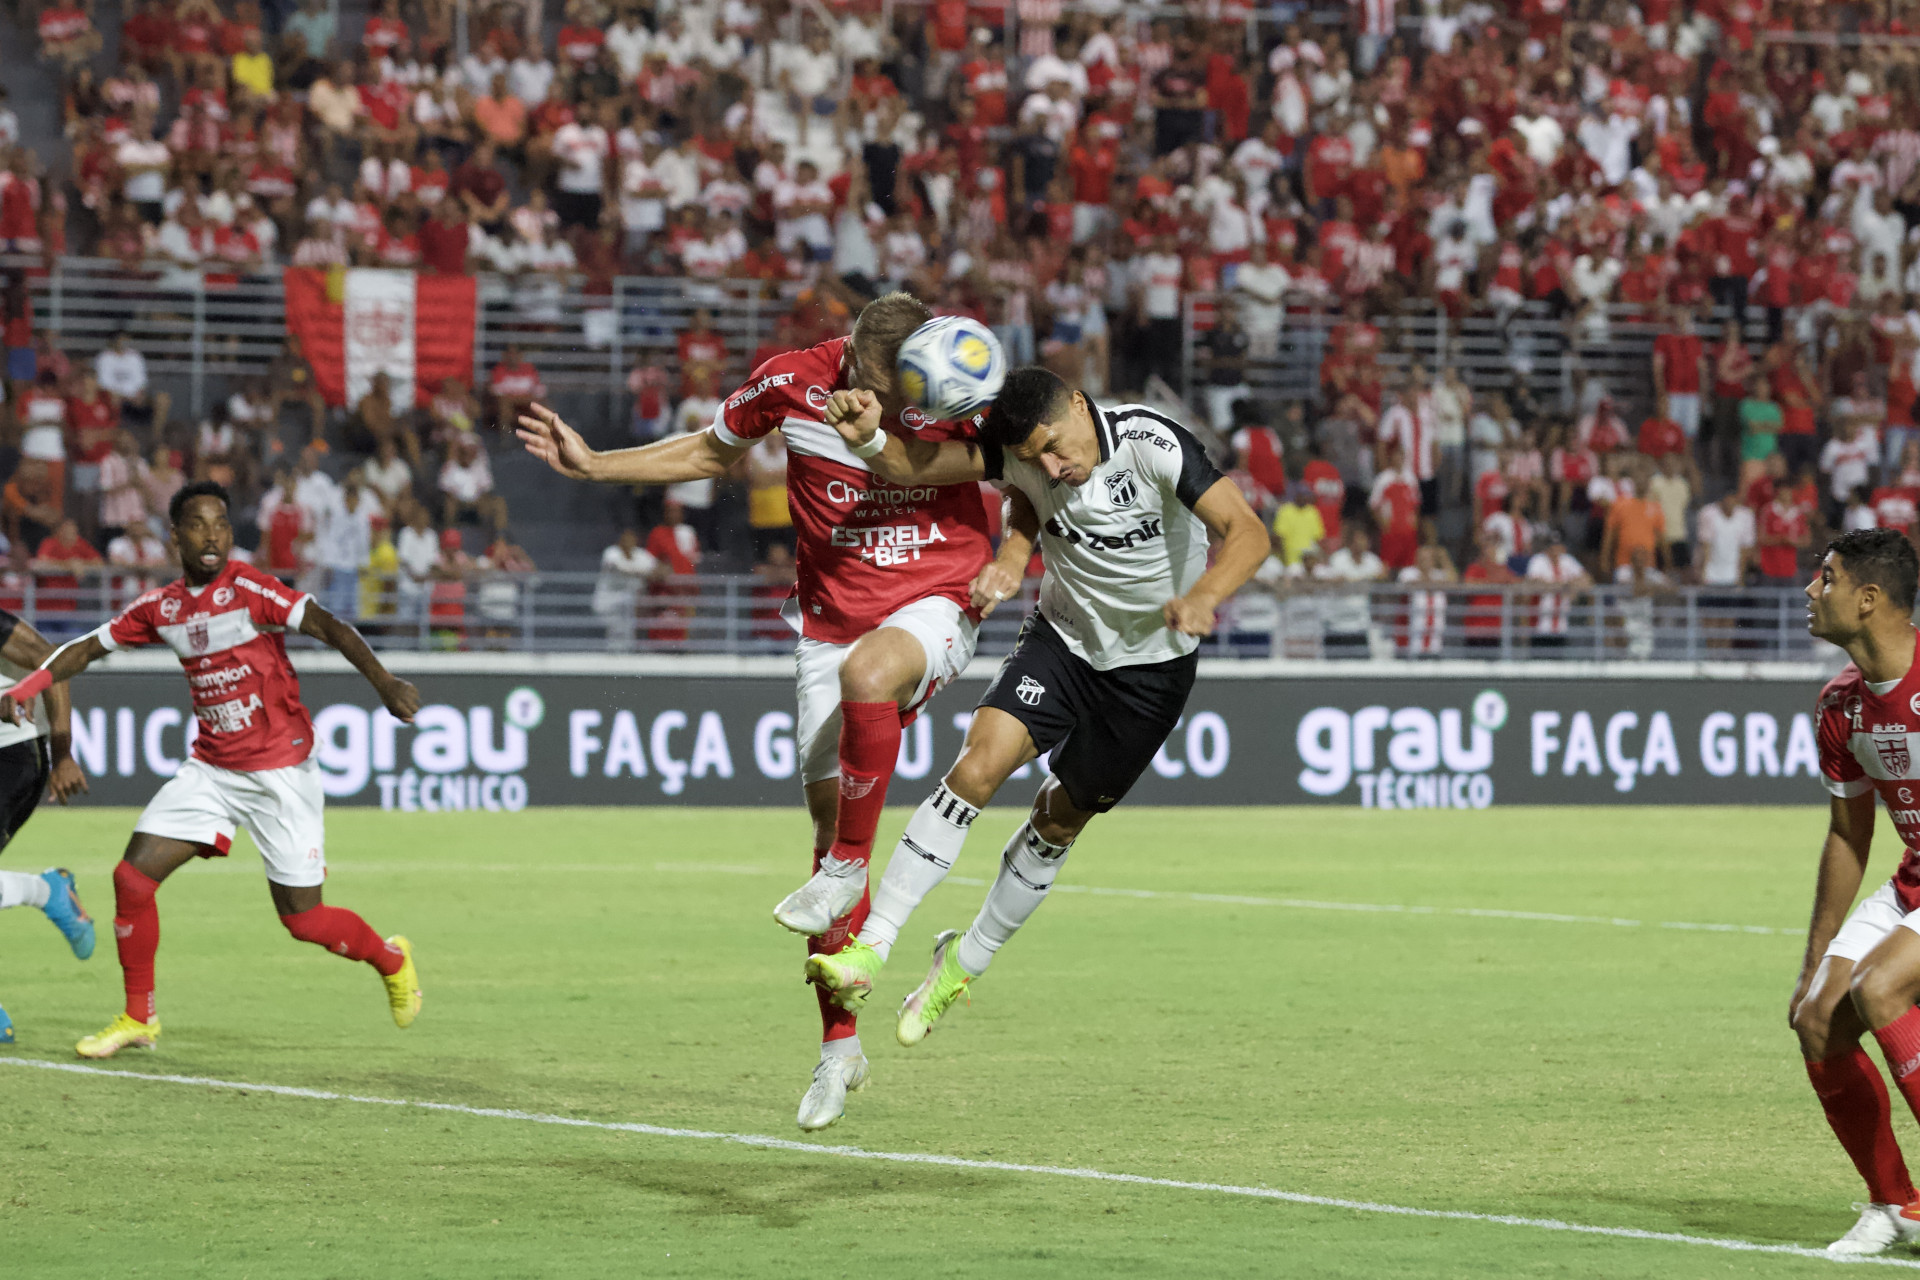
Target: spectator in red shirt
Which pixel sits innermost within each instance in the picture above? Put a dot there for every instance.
(703, 351)
(513, 385)
(1679, 365)
(1660, 434)
(444, 239)
(1783, 531)
(61, 560)
(1329, 492)
(1481, 620)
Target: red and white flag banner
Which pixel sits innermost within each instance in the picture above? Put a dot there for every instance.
(416, 329)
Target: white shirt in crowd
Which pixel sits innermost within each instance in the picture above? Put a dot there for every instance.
(1722, 538)
(1555, 607)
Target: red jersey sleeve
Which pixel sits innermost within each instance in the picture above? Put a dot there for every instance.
(794, 383)
(138, 625)
(271, 602)
(1839, 771)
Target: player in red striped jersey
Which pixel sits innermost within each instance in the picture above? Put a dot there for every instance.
(1861, 972)
(251, 765)
(883, 605)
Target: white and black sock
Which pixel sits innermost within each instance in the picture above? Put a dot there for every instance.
(18, 889)
(920, 861)
(1027, 869)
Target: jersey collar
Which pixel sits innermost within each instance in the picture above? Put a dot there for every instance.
(1102, 429)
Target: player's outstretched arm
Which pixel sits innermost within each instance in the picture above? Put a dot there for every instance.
(999, 579)
(856, 416)
(26, 647)
(1243, 545)
(699, 456)
(63, 664)
(399, 696)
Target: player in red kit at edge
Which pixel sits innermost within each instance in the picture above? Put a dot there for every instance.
(882, 605)
(1861, 974)
(251, 762)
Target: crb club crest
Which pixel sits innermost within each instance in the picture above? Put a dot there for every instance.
(1030, 691)
(1894, 755)
(197, 634)
(1120, 489)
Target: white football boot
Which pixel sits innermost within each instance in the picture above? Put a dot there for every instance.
(1880, 1225)
(814, 906)
(825, 1100)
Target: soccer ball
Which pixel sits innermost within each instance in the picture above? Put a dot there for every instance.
(950, 366)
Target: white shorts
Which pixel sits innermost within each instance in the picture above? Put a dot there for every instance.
(946, 634)
(282, 809)
(1876, 917)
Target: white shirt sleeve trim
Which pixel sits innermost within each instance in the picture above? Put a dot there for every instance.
(723, 433)
(1848, 790)
(299, 611)
(104, 633)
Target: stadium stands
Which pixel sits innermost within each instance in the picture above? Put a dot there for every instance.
(1473, 279)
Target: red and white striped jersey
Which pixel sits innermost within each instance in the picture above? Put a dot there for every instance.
(1376, 17)
(866, 547)
(1426, 616)
(227, 635)
(1868, 742)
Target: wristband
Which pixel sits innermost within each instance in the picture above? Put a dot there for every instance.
(35, 683)
(874, 444)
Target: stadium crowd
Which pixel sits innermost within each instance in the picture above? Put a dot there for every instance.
(1085, 182)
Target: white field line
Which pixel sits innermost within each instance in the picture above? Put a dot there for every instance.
(956, 1162)
(1226, 899)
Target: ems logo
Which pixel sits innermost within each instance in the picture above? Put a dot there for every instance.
(197, 635)
(223, 595)
(817, 397)
(1913, 704)
(914, 418)
(1030, 691)
(170, 608)
(1120, 489)
(1894, 756)
(1852, 711)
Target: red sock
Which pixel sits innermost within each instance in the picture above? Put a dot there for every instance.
(344, 933)
(869, 749)
(836, 1023)
(1855, 1098)
(136, 931)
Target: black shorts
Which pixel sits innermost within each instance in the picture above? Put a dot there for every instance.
(1103, 727)
(24, 767)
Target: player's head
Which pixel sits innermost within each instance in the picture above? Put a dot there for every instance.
(1866, 583)
(881, 327)
(202, 534)
(1041, 421)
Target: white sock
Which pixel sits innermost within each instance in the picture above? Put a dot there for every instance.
(844, 1047)
(920, 861)
(1027, 869)
(18, 889)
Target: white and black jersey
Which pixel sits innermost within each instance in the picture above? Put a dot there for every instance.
(24, 758)
(1118, 547)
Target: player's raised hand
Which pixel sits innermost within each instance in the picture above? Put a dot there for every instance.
(548, 438)
(855, 414)
(402, 700)
(66, 780)
(1187, 617)
(993, 584)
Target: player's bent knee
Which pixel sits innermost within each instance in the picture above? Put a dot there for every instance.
(1882, 991)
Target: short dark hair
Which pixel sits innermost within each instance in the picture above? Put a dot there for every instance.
(177, 508)
(1030, 396)
(1882, 558)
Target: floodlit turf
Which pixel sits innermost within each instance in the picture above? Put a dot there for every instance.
(624, 966)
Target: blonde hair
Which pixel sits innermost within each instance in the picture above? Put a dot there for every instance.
(882, 326)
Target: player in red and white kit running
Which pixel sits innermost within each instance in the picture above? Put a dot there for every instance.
(1861, 973)
(882, 604)
(251, 762)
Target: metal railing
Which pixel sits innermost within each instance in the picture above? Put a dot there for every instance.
(207, 329)
(740, 615)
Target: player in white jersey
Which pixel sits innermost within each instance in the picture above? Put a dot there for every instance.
(252, 760)
(36, 760)
(1122, 501)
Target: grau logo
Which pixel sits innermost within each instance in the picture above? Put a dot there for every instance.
(1120, 489)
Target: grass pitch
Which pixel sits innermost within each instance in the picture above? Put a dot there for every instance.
(623, 966)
